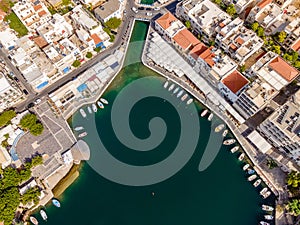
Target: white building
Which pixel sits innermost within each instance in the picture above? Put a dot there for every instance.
(110, 9)
(8, 39)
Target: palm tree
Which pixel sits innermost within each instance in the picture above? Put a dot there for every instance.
(294, 207)
(293, 179)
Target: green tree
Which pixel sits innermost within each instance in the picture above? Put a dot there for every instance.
(260, 31)
(293, 179)
(28, 121)
(276, 49)
(89, 55)
(113, 23)
(218, 2)
(188, 24)
(66, 2)
(243, 68)
(295, 56)
(231, 10)
(254, 26)
(288, 57)
(297, 64)
(76, 63)
(36, 160)
(281, 36)
(112, 38)
(294, 207)
(6, 117)
(97, 49)
(31, 195)
(37, 129)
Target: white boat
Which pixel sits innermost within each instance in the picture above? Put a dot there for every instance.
(166, 84)
(179, 93)
(82, 112)
(43, 214)
(89, 109)
(34, 220)
(210, 116)
(225, 132)
(267, 194)
(246, 167)
(257, 182)
(241, 157)
(176, 90)
(101, 106)
(267, 208)
(269, 217)
(234, 149)
(252, 177)
(171, 87)
(189, 101)
(104, 101)
(78, 128)
(204, 112)
(219, 128)
(184, 97)
(229, 141)
(82, 134)
(264, 223)
(94, 107)
(263, 191)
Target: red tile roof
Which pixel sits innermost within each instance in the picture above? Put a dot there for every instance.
(239, 40)
(41, 13)
(185, 39)
(40, 41)
(2, 15)
(296, 46)
(283, 69)
(198, 50)
(235, 81)
(96, 38)
(264, 3)
(222, 24)
(233, 47)
(208, 56)
(37, 7)
(166, 20)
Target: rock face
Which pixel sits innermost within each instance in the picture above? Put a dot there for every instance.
(81, 151)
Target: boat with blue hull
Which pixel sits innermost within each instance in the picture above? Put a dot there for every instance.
(56, 203)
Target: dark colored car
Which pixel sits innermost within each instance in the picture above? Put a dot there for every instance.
(25, 91)
(141, 8)
(148, 9)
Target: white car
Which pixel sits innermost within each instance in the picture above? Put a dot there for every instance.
(156, 8)
(134, 10)
(148, 13)
(37, 101)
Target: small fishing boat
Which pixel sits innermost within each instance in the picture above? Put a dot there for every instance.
(56, 203)
(204, 112)
(267, 208)
(82, 112)
(252, 177)
(263, 191)
(176, 90)
(101, 106)
(264, 223)
(166, 84)
(184, 97)
(82, 134)
(225, 132)
(189, 101)
(171, 87)
(94, 107)
(269, 217)
(257, 182)
(33, 220)
(234, 149)
(250, 171)
(246, 167)
(229, 141)
(43, 214)
(89, 109)
(241, 157)
(104, 101)
(179, 93)
(210, 116)
(78, 128)
(219, 128)
(267, 194)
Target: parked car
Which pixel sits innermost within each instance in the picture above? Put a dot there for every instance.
(156, 8)
(134, 10)
(37, 101)
(25, 91)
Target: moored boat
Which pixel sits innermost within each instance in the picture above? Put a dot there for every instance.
(219, 128)
(101, 106)
(179, 93)
(250, 171)
(252, 177)
(267, 194)
(204, 112)
(229, 141)
(269, 217)
(78, 128)
(225, 132)
(242, 156)
(189, 101)
(166, 84)
(171, 87)
(176, 90)
(267, 208)
(82, 134)
(33, 220)
(263, 191)
(234, 149)
(56, 203)
(246, 167)
(210, 116)
(104, 101)
(43, 214)
(89, 109)
(184, 97)
(94, 107)
(257, 182)
(82, 112)
(264, 223)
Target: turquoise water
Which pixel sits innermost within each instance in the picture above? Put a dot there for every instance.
(219, 195)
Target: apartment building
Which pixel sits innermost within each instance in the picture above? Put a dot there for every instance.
(31, 13)
(292, 40)
(205, 17)
(282, 129)
(110, 9)
(240, 5)
(8, 39)
(237, 41)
